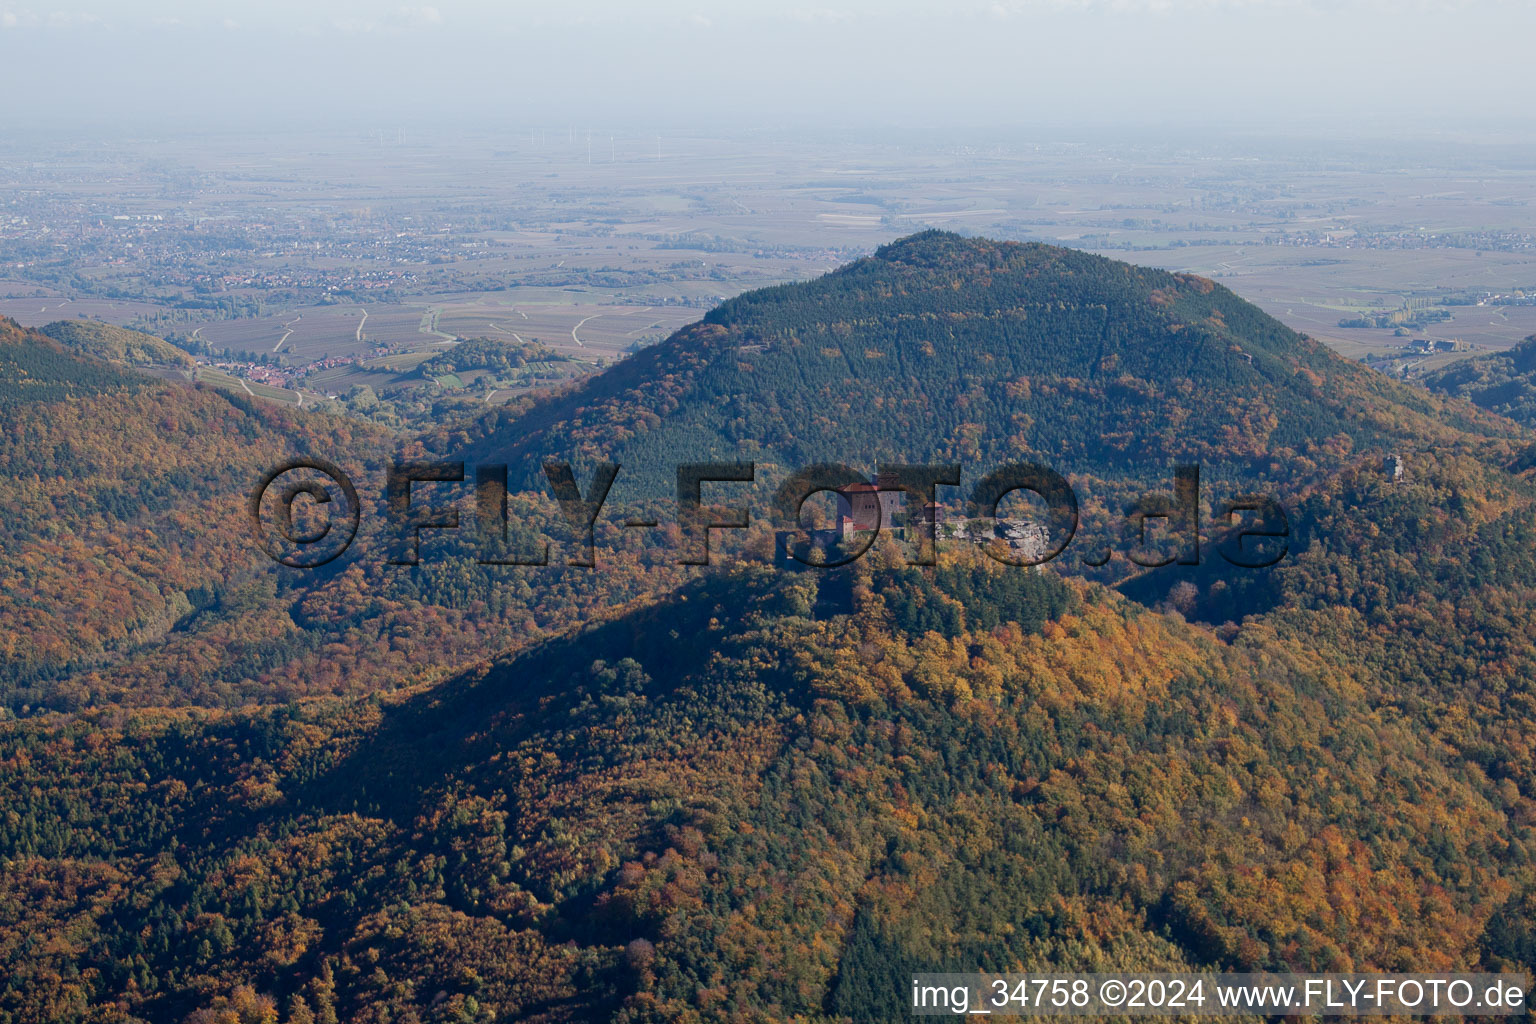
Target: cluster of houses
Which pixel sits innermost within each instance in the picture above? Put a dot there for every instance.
(1518, 297)
(281, 375)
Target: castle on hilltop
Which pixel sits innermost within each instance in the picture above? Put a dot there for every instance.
(880, 506)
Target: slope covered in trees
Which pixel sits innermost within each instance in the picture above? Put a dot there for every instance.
(493, 354)
(133, 577)
(752, 794)
(123, 504)
(948, 349)
(115, 344)
(35, 368)
(728, 806)
(1502, 382)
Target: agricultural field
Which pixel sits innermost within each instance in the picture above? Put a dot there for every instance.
(1312, 294)
(582, 330)
(395, 327)
(255, 336)
(340, 379)
(33, 312)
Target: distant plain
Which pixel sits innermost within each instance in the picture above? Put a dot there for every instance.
(595, 243)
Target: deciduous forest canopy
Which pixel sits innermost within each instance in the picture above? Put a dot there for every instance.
(649, 792)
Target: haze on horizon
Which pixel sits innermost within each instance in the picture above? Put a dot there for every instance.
(1362, 66)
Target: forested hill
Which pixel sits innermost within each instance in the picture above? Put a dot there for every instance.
(959, 349)
(758, 801)
(763, 795)
(35, 369)
(123, 515)
(115, 344)
(1502, 382)
(132, 574)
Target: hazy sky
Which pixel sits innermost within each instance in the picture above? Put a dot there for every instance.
(678, 63)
